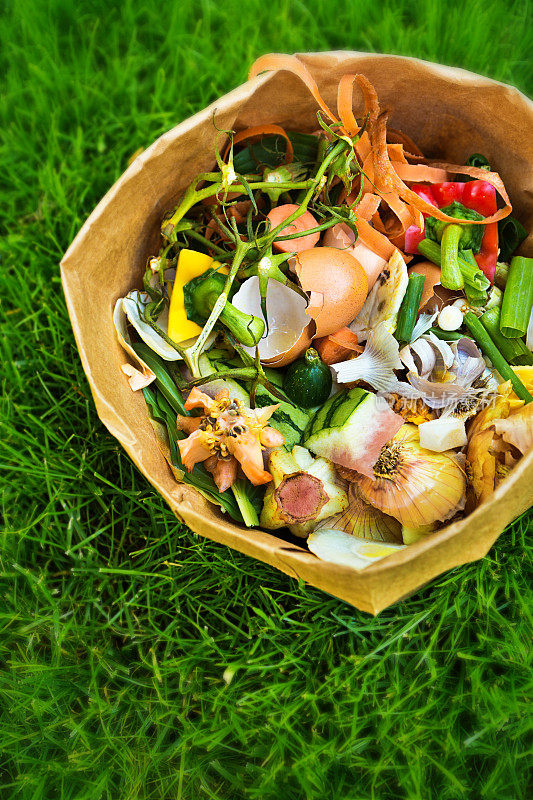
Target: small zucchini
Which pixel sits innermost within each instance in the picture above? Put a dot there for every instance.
(308, 380)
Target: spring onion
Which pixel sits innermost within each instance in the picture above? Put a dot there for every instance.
(409, 307)
(474, 297)
(517, 298)
(471, 275)
(513, 350)
(482, 337)
(447, 336)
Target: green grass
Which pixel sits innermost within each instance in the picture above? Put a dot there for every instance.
(138, 660)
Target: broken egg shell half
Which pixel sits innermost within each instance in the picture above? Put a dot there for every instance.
(155, 342)
(342, 237)
(434, 295)
(337, 286)
(289, 330)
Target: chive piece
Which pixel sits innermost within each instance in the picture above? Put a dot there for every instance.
(513, 350)
(409, 307)
(163, 380)
(471, 275)
(474, 297)
(518, 298)
(501, 274)
(482, 337)
(448, 336)
(511, 233)
(451, 276)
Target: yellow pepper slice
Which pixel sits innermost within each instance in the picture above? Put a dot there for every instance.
(190, 265)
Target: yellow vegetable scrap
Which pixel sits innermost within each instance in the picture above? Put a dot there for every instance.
(190, 265)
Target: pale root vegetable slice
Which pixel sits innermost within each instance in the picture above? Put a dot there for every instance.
(346, 550)
(289, 329)
(301, 224)
(442, 434)
(337, 285)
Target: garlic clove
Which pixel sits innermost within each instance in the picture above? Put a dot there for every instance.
(442, 434)
(450, 318)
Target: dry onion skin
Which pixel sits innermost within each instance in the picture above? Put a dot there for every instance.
(415, 486)
(363, 520)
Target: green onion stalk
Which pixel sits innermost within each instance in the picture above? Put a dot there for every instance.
(409, 308)
(517, 298)
(489, 348)
(472, 275)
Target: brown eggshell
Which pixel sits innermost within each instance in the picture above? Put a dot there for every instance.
(299, 347)
(337, 286)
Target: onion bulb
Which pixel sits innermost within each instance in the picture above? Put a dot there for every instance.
(415, 486)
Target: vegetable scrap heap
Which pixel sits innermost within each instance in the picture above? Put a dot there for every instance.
(336, 335)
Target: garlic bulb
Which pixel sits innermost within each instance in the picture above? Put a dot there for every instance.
(415, 486)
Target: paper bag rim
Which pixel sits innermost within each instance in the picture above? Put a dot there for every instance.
(287, 557)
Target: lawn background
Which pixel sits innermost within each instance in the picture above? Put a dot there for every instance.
(138, 660)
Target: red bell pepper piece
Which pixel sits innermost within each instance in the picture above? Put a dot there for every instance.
(478, 195)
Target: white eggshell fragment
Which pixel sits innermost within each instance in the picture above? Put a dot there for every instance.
(338, 547)
(155, 342)
(442, 434)
(288, 329)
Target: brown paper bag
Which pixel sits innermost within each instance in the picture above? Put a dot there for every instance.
(450, 113)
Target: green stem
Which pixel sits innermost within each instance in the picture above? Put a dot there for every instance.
(190, 199)
(447, 336)
(302, 208)
(194, 352)
(518, 298)
(472, 275)
(474, 297)
(514, 350)
(207, 243)
(450, 275)
(482, 337)
(322, 227)
(244, 374)
(249, 514)
(409, 307)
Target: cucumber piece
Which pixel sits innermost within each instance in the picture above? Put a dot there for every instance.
(307, 380)
(287, 419)
(346, 429)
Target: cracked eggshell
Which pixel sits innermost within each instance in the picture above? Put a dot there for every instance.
(337, 286)
(289, 331)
